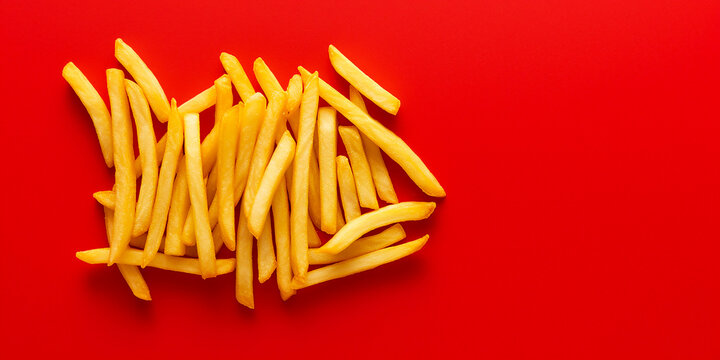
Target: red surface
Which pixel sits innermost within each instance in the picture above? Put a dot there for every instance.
(577, 141)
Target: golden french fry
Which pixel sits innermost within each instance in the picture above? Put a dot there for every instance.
(148, 154)
(145, 78)
(252, 117)
(294, 90)
(360, 167)
(361, 246)
(166, 179)
(130, 273)
(227, 149)
(161, 261)
(106, 198)
(179, 208)
(266, 254)
(313, 238)
(212, 182)
(353, 230)
(327, 151)
(361, 263)
(263, 147)
(244, 270)
(281, 224)
(380, 174)
(123, 159)
(274, 174)
(95, 106)
(299, 199)
(242, 84)
(348, 194)
(362, 82)
(390, 143)
(224, 98)
(191, 251)
(267, 80)
(198, 195)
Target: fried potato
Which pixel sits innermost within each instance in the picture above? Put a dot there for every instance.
(361, 263)
(313, 238)
(281, 225)
(266, 254)
(106, 198)
(360, 167)
(327, 151)
(161, 261)
(294, 90)
(252, 117)
(244, 272)
(224, 99)
(198, 195)
(95, 106)
(145, 78)
(361, 246)
(299, 193)
(130, 273)
(242, 84)
(225, 166)
(166, 179)
(380, 174)
(146, 145)
(124, 169)
(267, 80)
(390, 143)
(362, 82)
(348, 194)
(274, 174)
(353, 230)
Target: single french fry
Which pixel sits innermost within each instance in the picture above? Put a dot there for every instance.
(130, 273)
(241, 81)
(266, 254)
(294, 90)
(314, 201)
(395, 213)
(267, 80)
(380, 174)
(263, 147)
(212, 181)
(161, 261)
(362, 82)
(224, 97)
(145, 78)
(361, 246)
(198, 195)
(252, 117)
(191, 251)
(148, 154)
(274, 174)
(123, 160)
(179, 208)
(361, 263)
(390, 143)
(299, 199)
(95, 106)
(281, 225)
(244, 270)
(166, 179)
(346, 183)
(106, 198)
(313, 238)
(327, 151)
(360, 167)
(227, 149)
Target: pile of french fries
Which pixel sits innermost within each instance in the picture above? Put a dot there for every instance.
(195, 195)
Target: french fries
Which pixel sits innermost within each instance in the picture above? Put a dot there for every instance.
(380, 175)
(224, 99)
(390, 143)
(361, 246)
(161, 261)
(225, 179)
(166, 179)
(106, 198)
(281, 223)
(146, 145)
(95, 106)
(299, 197)
(233, 68)
(294, 90)
(361, 169)
(198, 195)
(267, 80)
(362, 82)
(244, 271)
(348, 194)
(123, 160)
(145, 78)
(266, 254)
(361, 263)
(273, 176)
(249, 127)
(404, 211)
(313, 239)
(130, 273)
(327, 151)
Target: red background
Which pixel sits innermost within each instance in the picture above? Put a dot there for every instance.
(577, 142)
